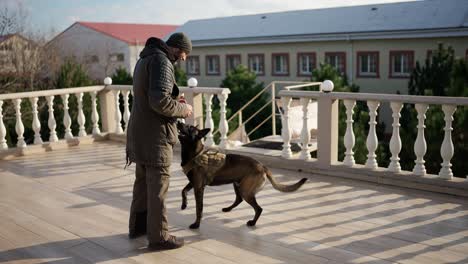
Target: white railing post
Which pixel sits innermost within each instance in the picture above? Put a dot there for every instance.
(51, 122)
(118, 115)
(126, 115)
(66, 117)
(94, 114)
(36, 124)
(209, 142)
(446, 150)
(305, 133)
(420, 146)
(285, 128)
(395, 141)
(349, 138)
(273, 109)
(223, 124)
(81, 116)
(3, 143)
(372, 139)
(19, 127)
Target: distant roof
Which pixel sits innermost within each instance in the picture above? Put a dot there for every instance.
(131, 33)
(331, 23)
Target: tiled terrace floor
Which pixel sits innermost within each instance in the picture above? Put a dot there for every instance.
(71, 206)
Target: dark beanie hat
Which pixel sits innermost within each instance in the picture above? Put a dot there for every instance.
(181, 41)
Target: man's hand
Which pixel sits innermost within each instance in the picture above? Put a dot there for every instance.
(188, 110)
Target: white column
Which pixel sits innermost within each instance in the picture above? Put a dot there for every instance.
(94, 114)
(305, 133)
(51, 122)
(36, 124)
(446, 151)
(223, 124)
(66, 117)
(118, 115)
(372, 140)
(395, 141)
(126, 115)
(81, 116)
(285, 128)
(349, 138)
(420, 146)
(19, 124)
(3, 143)
(209, 142)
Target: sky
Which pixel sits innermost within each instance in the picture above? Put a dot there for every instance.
(53, 16)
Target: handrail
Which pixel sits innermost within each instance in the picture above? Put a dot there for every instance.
(184, 89)
(257, 127)
(258, 111)
(10, 96)
(250, 101)
(302, 85)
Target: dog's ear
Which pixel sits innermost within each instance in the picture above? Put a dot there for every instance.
(202, 133)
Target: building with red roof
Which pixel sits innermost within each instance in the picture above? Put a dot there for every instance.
(104, 47)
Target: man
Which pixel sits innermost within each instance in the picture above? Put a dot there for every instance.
(151, 135)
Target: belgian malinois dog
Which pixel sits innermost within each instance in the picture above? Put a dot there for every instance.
(247, 175)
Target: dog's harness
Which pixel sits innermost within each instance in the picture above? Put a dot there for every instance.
(210, 160)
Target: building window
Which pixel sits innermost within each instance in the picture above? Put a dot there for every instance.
(232, 61)
(368, 64)
(280, 64)
(212, 65)
(116, 57)
(337, 60)
(306, 63)
(401, 63)
(89, 59)
(193, 65)
(257, 63)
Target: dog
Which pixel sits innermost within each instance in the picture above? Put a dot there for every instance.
(247, 175)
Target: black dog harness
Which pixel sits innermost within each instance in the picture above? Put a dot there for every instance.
(210, 160)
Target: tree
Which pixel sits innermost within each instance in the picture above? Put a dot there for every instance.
(180, 76)
(122, 76)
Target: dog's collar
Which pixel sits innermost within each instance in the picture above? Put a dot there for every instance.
(192, 164)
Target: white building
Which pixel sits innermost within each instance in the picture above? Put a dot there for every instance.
(104, 47)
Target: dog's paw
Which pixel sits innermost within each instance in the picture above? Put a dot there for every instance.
(251, 223)
(227, 209)
(183, 206)
(195, 226)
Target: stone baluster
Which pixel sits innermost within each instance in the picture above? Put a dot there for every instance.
(209, 142)
(19, 127)
(36, 124)
(395, 141)
(126, 115)
(372, 140)
(81, 116)
(66, 117)
(305, 133)
(420, 146)
(223, 124)
(3, 143)
(349, 138)
(446, 151)
(286, 130)
(51, 122)
(118, 115)
(94, 114)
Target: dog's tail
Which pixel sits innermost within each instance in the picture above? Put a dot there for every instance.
(281, 187)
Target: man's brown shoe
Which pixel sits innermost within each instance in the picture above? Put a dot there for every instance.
(171, 243)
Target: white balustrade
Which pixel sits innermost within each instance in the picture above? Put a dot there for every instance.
(81, 117)
(209, 142)
(3, 143)
(94, 114)
(66, 117)
(52, 124)
(395, 141)
(446, 151)
(118, 115)
(420, 146)
(349, 138)
(286, 128)
(305, 133)
(372, 139)
(36, 124)
(223, 124)
(19, 127)
(126, 115)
